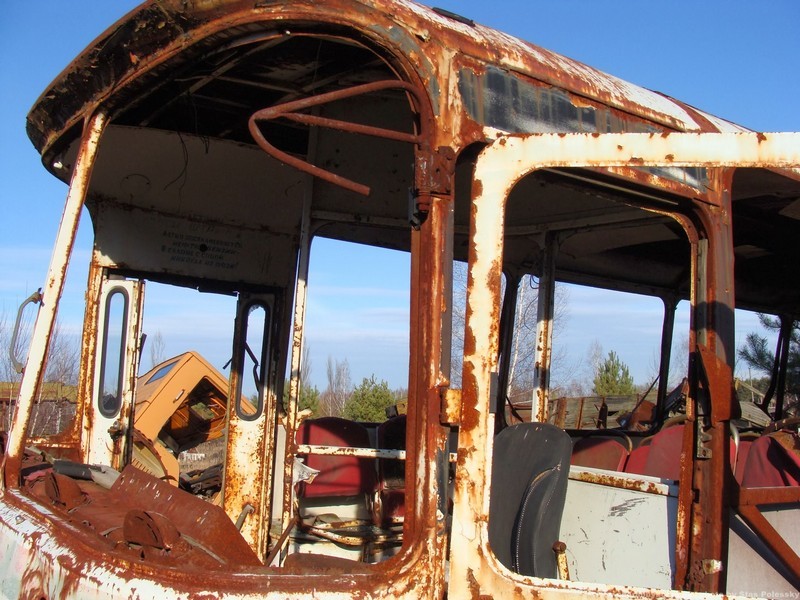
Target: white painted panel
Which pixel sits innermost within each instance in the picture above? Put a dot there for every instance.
(751, 570)
(619, 536)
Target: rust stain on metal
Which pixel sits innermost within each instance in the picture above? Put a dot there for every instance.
(625, 483)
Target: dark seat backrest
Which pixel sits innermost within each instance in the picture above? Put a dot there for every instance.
(338, 475)
(530, 468)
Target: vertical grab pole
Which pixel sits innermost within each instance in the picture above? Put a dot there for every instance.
(544, 329)
(667, 334)
(54, 287)
(298, 332)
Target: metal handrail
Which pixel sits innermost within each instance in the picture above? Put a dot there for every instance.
(34, 298)
(288, 110)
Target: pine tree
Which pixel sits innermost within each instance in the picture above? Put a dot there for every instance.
(757, 355)
(612, 377)
(369, 401)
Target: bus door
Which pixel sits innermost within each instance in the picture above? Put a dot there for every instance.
(251, 423)
(119, 312)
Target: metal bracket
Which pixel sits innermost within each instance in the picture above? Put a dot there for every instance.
(433, 172)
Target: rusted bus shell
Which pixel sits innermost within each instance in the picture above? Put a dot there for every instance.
(65, 561)
(426, 51)
(527, 153)
(605, 478)
(474, 571)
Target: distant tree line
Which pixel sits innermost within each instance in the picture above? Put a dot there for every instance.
(367, 402)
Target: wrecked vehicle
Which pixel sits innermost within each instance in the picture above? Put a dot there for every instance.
(179, 423)
(390, 125)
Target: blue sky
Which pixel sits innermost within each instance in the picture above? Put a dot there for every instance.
(735, 59)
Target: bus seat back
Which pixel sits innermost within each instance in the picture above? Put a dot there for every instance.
(529, 476)
(600, 453)
(338, 475)
(772, 462)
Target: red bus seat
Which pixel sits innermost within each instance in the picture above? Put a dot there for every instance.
(743, 450)
(662, 456)
(637, 461)
(601, 452)
(773, 461)
(338, 475)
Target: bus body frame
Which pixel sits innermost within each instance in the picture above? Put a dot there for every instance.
(405, 99)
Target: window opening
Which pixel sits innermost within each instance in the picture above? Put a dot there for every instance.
(353, 406)
(162, 372)
(181, 398)
(612, 260)
(114, 339)
(255, 368)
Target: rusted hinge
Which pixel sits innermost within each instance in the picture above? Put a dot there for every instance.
(433, 177)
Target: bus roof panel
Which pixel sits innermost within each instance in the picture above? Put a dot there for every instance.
(128, 59)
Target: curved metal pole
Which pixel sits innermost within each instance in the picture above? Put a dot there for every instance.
(778, 376)
(34, 298)
(506, 338)
(667, 333)
(287, 111)
(53, 288)
(544, 328)
(786, 335)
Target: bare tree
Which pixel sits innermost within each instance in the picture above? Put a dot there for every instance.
(305, 367)
(7, 370)
(8, 375)
(309, 400)
(63, 355)
(678, 363)
(594, 358)
(60, 376)
(157, 347)
(339, 387)
(523, 346)
(459, 319)
(63, 358)
(5, 341)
